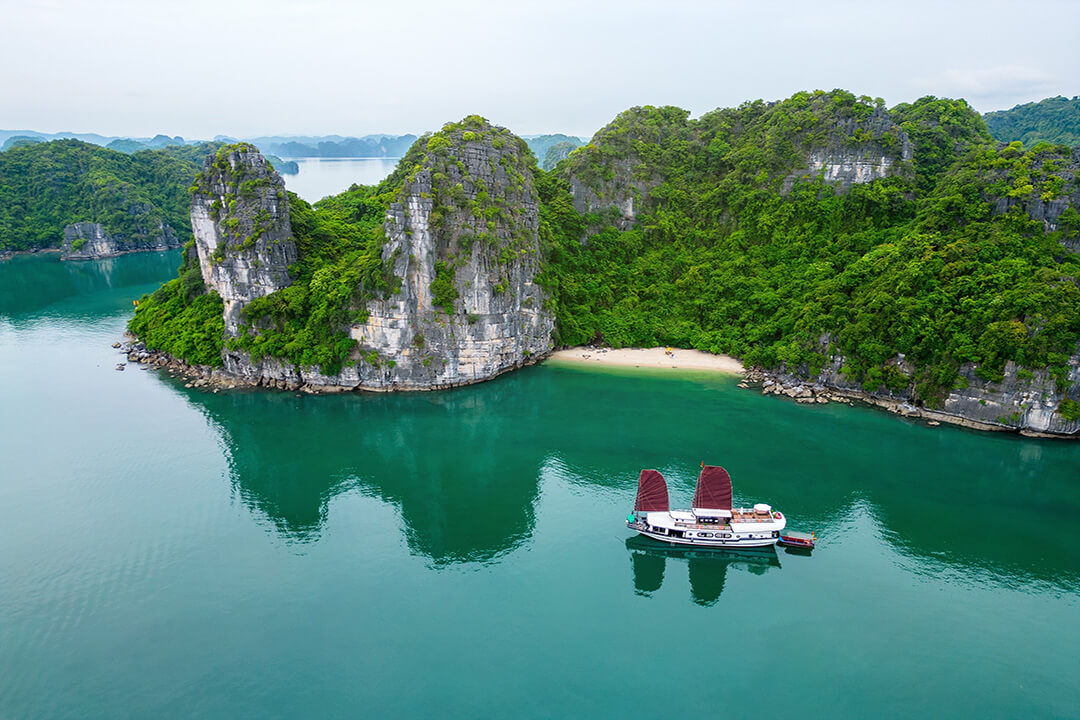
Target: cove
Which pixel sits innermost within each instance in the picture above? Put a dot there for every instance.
(172, 552)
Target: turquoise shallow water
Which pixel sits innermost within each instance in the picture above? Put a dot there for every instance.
(167, 552)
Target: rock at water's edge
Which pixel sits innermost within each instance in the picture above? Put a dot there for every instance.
(89, 241)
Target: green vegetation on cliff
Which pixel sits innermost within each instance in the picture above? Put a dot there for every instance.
(45, 186)
(339, 245)
(181, 318)
(722, 259)
(1054, 120)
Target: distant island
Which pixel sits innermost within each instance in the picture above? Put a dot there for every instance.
(93, 201)
(1053, 120)
(901, 255)
(550, 149)
(333, 146)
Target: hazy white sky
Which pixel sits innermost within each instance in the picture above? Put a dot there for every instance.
(203, 67)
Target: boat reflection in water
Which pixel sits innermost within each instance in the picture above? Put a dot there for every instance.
(707, 567)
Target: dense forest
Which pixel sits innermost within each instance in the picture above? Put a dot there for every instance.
(47, 185)
(1053, 120)
(734, 245)
(938, 262)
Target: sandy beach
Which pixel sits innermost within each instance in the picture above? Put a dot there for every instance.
(652, 358)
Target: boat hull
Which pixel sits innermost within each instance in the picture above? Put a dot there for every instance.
(737, 540)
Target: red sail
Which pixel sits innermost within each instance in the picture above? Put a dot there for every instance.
(651, 492)
(713, 489)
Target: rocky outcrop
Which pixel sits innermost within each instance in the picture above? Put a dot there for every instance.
(1028, 402)
(857, 151)
(622, 194)
(615, 175)
(240, 219)
(461, 242)
(1055, 200)
(469, 307)
(89, 241)
(610, 177)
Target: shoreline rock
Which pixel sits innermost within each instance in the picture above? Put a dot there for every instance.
(89, 241)
(806, 392)
(6, 255)
(756, 378)
(220, 378)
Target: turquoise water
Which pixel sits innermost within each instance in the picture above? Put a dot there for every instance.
(170, 552)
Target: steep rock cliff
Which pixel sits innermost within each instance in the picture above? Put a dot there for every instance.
(856, 151)
(89, 241)
(463, 239)
(1045, 184)
(461, 248)
(240, 219)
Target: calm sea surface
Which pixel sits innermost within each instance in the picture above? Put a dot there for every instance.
(172, 553)
(319, 177)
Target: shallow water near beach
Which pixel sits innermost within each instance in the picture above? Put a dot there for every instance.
(171, 552)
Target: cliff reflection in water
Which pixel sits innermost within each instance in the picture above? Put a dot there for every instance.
(707, 568)
(465, 466)
(455, 464)
(31, 283)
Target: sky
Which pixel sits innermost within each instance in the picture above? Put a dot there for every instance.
(273, 67)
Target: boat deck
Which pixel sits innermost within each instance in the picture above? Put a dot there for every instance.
(750, 516)
(737, 515)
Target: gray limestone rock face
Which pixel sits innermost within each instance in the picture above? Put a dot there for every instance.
(1049, 208)
(619, 184)
(240, 219)
(462, 242)
(89, 241)
(858, 151)
(471, 213)
(625, 193)
(1024, 403)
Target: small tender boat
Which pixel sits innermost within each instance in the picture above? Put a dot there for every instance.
(711, 522)
(795, 539)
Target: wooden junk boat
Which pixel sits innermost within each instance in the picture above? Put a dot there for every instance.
(710, 522)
